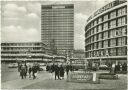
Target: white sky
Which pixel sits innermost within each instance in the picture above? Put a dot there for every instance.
(21, 21)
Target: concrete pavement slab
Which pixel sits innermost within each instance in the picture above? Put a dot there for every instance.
(120, 84)
(19, 83)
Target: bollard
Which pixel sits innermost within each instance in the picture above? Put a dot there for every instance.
(96, 79)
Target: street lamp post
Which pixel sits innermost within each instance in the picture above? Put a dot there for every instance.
(53, 59)
(28, 56)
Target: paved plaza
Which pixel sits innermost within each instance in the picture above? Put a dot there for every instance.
(82, 41)
(45, 80)
(62, 84)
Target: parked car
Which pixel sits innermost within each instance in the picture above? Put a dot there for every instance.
(13, 65)
(94, 68)
(103, 67)
(42, 67)
(42, 64)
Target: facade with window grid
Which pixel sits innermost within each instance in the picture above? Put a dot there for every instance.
(30, 51)
(26, 51)
(106, 34)
(57, 23)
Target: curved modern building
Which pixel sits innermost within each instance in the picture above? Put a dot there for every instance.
(106, 34)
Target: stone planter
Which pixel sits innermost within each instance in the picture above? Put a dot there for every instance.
(108, 76)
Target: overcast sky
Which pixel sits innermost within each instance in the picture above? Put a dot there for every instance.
(21, 21)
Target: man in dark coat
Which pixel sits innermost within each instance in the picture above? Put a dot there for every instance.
(26, 67)
(56, 68)
(124, 67)
(47, 68)
(23, 71)
(52, 68)
(35, 68)
(62, 72)
(67, 69)
(30, 70)
(19, 67)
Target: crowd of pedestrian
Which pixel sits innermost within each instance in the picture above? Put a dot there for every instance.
(58, 70)
(121, 67)
(26, 69)
(31, 70)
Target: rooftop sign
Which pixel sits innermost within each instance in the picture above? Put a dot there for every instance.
(58, 6)
(106, 7)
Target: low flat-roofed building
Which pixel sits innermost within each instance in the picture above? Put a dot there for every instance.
(26, 51)
(23, 51)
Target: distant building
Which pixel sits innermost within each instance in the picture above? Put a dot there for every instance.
(30, 51)
(57, 27)
(79, 54)
(106, 34)
(27, 51)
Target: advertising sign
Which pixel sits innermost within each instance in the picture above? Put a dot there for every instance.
(81, 77)
(77, 62)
